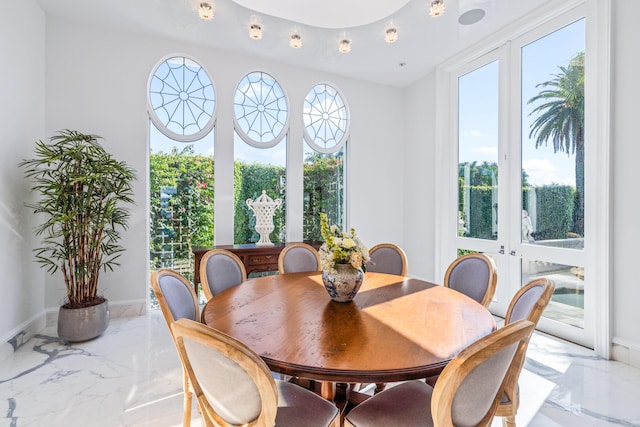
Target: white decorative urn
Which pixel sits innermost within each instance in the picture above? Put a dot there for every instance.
(263, 208)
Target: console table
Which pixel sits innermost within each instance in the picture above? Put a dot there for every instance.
(255, 258)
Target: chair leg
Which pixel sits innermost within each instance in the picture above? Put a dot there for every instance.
(186, 410)
(509, 421)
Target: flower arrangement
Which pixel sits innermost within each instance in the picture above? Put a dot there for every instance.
(340, 247)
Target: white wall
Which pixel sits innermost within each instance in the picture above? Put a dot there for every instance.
(419, 190)
(21, 123)
(96, 83)
(625, 145)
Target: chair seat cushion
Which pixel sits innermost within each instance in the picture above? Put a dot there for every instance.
(407, 404)
(299, 407)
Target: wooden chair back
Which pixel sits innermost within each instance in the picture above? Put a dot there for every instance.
(298, 257)
(469, 389)
(474, 275)
(528, 303)
(233, 385)
(177, 300)
(388, 258)
(220, 269)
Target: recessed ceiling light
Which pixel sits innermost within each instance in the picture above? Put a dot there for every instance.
(205, 10)
(391, 35)
(255, 31)
(437, 8)
(295, 41)
(471, 16)
(344, 46)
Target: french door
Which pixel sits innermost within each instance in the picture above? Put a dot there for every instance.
(517, 173)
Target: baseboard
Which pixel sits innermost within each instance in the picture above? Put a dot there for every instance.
(18, 336)
(626, 352)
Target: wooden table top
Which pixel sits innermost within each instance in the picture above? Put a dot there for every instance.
(397, 328)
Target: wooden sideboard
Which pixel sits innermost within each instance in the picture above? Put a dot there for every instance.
(255, 258)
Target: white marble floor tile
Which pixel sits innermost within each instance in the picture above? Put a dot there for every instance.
(131, 376)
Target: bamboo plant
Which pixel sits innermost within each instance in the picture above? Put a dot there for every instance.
(82, 191)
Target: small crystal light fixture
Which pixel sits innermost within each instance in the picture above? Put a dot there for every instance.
(344, 46)
(437, 8)
(295, 41)
(391, 36)
(205, 10)
(255, 31)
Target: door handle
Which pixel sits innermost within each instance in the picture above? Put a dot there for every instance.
(501, 251)
(512, 253)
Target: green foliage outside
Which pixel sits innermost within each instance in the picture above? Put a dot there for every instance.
(182, 202)
(323, 192)
(478, 187)
(554, 204)
(181, 207)
(554, 211)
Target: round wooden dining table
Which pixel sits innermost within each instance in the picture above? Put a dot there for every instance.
(396, 328)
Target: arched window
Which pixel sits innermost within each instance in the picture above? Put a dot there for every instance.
(261, 124)
(181, 106)
(181, 99)
(326, 130)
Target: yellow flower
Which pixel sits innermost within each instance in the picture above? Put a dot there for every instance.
(356, 260)
(348, 243)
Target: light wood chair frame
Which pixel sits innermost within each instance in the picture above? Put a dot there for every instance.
(464, 363)
(493, 275)
(253, 365)
(291, 246)
(398, 249)
(248, 360)
(509, 409)
(168, 317)
(204, 280)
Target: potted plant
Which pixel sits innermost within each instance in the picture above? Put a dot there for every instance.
(82, 191)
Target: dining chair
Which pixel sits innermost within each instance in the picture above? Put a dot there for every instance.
(177, 300)
(219, 270)
(474, 275)
(235, 387)
(467, 394)
(387, 258)
(298, 257)
(528, 303)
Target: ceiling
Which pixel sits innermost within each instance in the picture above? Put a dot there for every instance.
(423, 41)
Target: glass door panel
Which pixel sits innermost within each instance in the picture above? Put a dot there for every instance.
(567, 302)
(478, 153)
(553, 139)
(549, 241)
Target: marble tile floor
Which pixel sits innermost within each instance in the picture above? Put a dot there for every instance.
(131, 376)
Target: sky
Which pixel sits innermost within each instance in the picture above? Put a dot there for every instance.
(479, 102)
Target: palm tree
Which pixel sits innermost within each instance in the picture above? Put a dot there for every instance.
(560, 118)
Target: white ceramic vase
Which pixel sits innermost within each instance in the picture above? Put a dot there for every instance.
(344, 284)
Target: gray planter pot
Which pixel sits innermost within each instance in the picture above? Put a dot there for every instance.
(82, 324)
